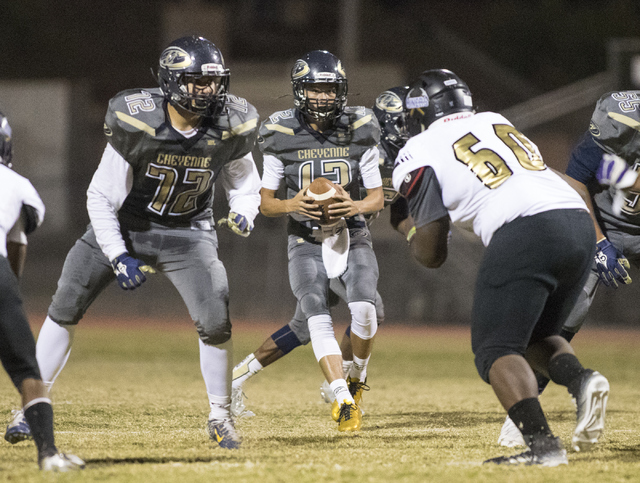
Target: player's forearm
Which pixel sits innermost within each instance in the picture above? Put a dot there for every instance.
(372, 203)
(274, 207)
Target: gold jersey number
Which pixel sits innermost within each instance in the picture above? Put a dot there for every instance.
(487, 165)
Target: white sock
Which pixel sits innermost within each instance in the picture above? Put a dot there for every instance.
(359, 368)
(53, 349)
(246, 369)
(216, 366)
(341, 391)
(346, 366)
(219, 407)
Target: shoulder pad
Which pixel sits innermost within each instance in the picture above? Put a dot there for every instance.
(135, 110)
(615, 124)
(240, 118)
(363, 123)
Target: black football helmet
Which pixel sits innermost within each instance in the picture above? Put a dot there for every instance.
(187, 61)
(435, 94)
(389, 110)
(319, 67)
(6, 148)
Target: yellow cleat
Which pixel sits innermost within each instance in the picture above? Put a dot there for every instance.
(356, 388)
(350, 417)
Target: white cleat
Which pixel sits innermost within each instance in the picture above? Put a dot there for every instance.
(510, 435)
(61, 463)
(591, 405)
(238, 408)
(326, 393)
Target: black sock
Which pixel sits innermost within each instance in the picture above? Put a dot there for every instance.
(567, 371)
(529, 418)
(40, 419)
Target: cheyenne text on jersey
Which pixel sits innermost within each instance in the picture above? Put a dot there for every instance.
(187, 161)
(333, 152)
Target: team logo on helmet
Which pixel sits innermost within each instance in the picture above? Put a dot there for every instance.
(417, 100)
(300, 69)
(390, 102)
(174, 58)
(593, 129)
(340, 70)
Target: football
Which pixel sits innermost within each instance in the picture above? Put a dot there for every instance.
(323, 191)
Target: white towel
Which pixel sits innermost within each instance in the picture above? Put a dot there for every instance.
(335, 248)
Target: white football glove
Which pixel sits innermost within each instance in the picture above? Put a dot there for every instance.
(237, 224)
(615, 172)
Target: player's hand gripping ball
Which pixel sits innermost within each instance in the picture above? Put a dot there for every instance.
(323, 191)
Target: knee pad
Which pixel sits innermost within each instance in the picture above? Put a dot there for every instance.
(214, 337)
(323, 338)
(285, 339)
(313, 304)
(364, 322)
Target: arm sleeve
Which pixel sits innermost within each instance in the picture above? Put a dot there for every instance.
(241, 182)
(273, 172)
(425, 199)
(110, 186)
(585, 160)
(369, 168)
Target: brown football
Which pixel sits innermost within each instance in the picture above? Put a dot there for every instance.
(323, 190)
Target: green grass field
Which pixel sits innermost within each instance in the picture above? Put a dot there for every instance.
(132, 403)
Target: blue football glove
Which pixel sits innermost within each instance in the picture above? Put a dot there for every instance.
(615, 172)
(237, 224)
(130, 271)
(611, 265)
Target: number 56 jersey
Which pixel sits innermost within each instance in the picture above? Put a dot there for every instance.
(488, 172)
(173, 175)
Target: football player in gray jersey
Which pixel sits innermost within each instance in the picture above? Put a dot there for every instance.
(613, 130)
(150, 205)
(390, 115)
(21, 212)
(321, 137)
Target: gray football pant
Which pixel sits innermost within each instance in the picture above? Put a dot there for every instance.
(188, 258)
(298, 324)
(630, 247)
(309, 282)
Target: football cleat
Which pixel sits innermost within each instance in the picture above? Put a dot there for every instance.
(61, 462)
(18, 429)
(238, 408)
(510, 435)
(544, 451)
(356, 388)
(223, 432)
(591, 405)
(326, 393)
(350, 417)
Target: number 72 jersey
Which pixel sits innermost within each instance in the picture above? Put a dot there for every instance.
(488, 172)
(173, 176)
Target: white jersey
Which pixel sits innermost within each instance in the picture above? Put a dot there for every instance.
(15, 192)
(489, 173)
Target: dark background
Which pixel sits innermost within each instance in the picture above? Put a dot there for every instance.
(508, 52)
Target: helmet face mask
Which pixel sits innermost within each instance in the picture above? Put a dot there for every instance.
(193, 76)
(6, 147)
(434, 95)
(389, 111)
(319, 86)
